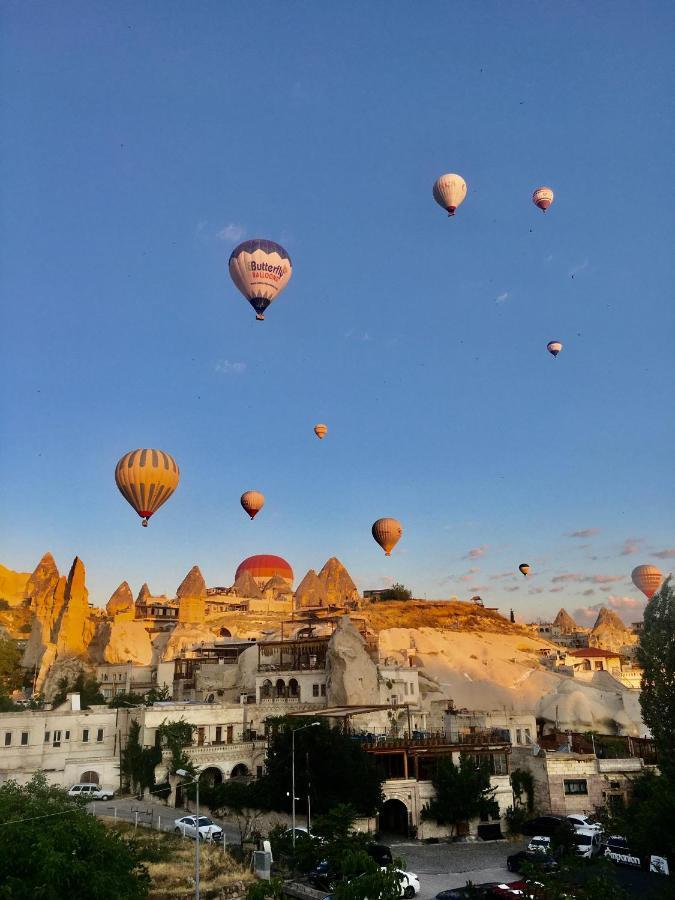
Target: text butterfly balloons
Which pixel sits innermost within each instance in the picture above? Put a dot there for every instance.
(261, 270)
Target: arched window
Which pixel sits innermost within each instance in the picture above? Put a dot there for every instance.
(266, 689)
(89, 777)
(240, 771)
(293, 688)
(281, 687)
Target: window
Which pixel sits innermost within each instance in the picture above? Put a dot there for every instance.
(57, 738)
(258, 771)
(323, 690)
(576, 786)
(528, 736)
(8, 738)
(219, 733)
(519, 736)
(405, 687)
(85, 735)
(412, 687)
(67, 735)
(24, 738)
(315, 690)
(598, 664)
(99, 735)
(47, 736)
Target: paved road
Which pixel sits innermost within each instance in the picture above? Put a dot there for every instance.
(441, 866)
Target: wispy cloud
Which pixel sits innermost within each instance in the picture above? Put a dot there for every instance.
(668, 553)
(583, 533)
(476, 552)
(578, 267)
(570, 577)
(501, 575)
(231, 232)
(515, 587)
(630, 609)
(226, 367)
(589, 592)
(362, 336)
(555, 590)
(503, 297)
(630, 546)
(536, 590)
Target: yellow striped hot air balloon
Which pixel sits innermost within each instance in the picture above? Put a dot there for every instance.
(253, 502)
(387, 533)
(321, 431)
(449, 192)
(647, 579)
(543, 197)
(146, 479)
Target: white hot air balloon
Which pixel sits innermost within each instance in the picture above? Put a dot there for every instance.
(449, 192)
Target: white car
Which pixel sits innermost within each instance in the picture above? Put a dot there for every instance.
(410, 883)
(587, 842)
(579, 820)
(541, 843)
(208, 830)
(91, 792)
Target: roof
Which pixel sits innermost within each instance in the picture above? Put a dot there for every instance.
(594, 651)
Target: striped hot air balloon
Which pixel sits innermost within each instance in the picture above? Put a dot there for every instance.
(146, 479)
(253, 502)
(543, 197)
(387, 533)
(647, 579)
(321, 431)
(261, 270)
(449, 192)
(554, 347)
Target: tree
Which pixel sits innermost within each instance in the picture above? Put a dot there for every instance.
(11, 673)
(395, 592)
(330, 767)
(239, 801)
(462, 793)
(122, 699)
(85, 685)
(51, 847)
(656, 655)
(138, 762)
(175, 736)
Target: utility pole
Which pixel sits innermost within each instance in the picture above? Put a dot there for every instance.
(302, 728)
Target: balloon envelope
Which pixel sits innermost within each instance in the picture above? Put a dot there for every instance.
(261, 270)
(146, 479)
(554, 347)
(524, 568)
(253, 502)
(543, 197)
(321, 431)
(387, 533)
(449, 192)
(647, 579)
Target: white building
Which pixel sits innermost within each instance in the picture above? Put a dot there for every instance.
(68, 744)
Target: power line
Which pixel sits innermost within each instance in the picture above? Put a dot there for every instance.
(65, 812)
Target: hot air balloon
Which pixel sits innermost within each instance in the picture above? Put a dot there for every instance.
(387, 533)
(647, 579)
(253, 502)
(449, 192)
(554, 347)
(321, 431)
(146, 479)
(524, 568)
(543, 197)
(261, 270)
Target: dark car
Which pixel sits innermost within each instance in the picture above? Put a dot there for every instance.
(544, 825)
(490, 890)
(380, 853)
(545, 861)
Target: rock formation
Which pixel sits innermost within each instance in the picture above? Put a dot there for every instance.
(340, 589)
(193, 585)
(121, 601)
(71, 636)
(128, 642)
(247, 586)
(277, 588)
(13, 585)
(46, 592)
(311, 592)
(144, 593)
(565, 622)
(610, 633)
(351, 675)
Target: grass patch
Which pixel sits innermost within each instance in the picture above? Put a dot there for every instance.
(170, 861)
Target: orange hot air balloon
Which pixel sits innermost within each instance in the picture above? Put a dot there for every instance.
(321, 431)
(253, 502)
(647, 579)
(524, 568)
(543, 197)
(146, 479)
(387, 533)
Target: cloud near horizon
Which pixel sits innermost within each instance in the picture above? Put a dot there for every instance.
(476, 552)
(668, 553)
(569, 577)
(584, 533)
(630, 546)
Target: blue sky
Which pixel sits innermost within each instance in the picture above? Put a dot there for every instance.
(141, 142)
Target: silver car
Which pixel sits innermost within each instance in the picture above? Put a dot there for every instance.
(208, 830)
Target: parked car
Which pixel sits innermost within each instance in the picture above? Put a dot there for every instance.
(544, 859)
(578, 820)
(490, 890)
(323, 879)
(208, 830)
(540, 843)
(91, 792)
(410, 884)
(544, 825)
(587, 842)
(381, 853)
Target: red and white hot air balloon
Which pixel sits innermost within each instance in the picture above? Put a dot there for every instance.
(449, 192)
(253, 502)
(647, 579)
(543, 197)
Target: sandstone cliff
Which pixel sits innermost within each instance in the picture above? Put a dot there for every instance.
(13, 585)
(247, 586)
(193, 585)
(122, 600)
(144, 593)
(75, 629)
(610, 633)
(340, 589)
(565, 622)
(46, 592)
(128, 641)
(311, 592)
(351, 675)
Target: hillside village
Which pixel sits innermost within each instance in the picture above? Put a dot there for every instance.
(413, 678)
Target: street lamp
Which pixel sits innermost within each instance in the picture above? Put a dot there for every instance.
(195, 780)
(302, 728)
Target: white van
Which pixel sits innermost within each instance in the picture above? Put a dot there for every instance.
(91, 792)
(587, 842)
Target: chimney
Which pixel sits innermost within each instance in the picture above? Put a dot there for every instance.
(74, 702)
